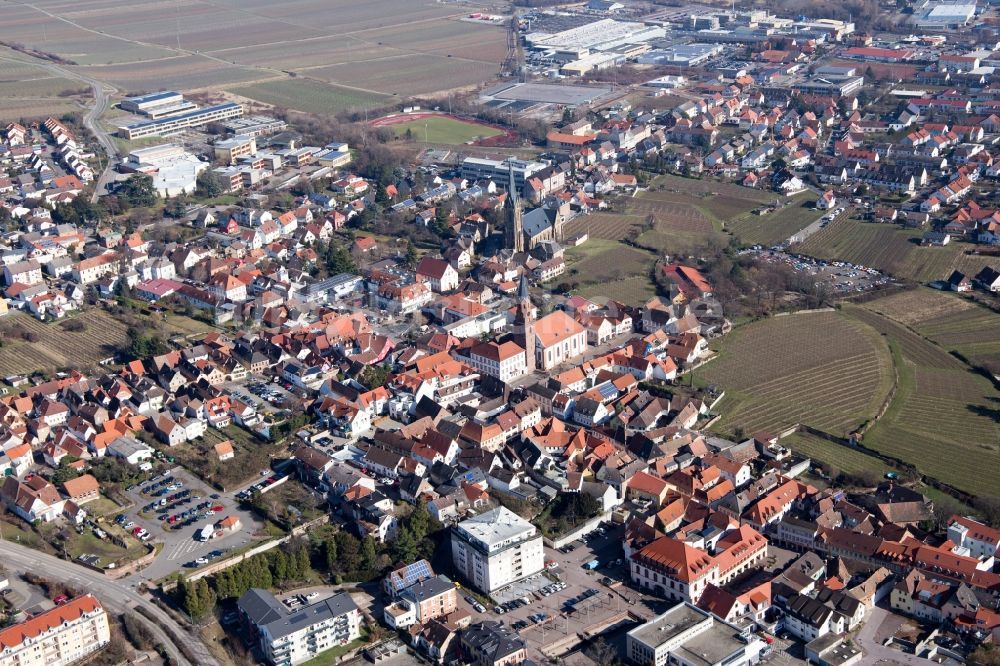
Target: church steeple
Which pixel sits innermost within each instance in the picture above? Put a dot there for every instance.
(525, 321)
(514, 228)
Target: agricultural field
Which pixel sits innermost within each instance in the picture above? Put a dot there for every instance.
(28, 90)
(612, 264)
(708, 187)
(307, 96)
(450, 38)
(631, 291)
(954, 323)
(409, 74)
(56, 347)
(890, 249)
(841, 458)
(943, 418)
(822, 369)
(602, 267)
(444, 131)
(185, 73)
(777, 226)
(13, 109)
(606, 226)
(672, 212)
(391, 47)
(42, 87)
(686, 213)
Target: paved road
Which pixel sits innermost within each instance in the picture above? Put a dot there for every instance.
(115, 595)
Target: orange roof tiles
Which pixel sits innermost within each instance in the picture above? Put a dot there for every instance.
(14, 636)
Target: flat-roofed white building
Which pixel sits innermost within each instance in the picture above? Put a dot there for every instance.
(496, 548)
(687, 636)
(173, 169)
(479, 168)
(145, 103)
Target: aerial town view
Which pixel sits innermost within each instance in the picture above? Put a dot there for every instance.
(499, 333)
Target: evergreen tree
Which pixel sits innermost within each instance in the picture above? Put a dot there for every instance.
(338, 259)
(419, 520)
(279, 565)
(303, 559)
(330, 554)
(349, 549)
(369, 554)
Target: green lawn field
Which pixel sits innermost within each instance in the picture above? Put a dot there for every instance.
(444, 130)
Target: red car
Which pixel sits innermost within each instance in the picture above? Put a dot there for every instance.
(136, 530)
(218, 508)
(61, 599)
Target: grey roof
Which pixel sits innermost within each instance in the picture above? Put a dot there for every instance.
(266, 612)
(536, 221)
(260, 606)
(429, 588)
(492, 640)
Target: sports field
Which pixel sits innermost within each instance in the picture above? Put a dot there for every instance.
(443, 130)
(821, 369)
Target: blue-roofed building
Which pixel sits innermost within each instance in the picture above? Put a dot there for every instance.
(400, 579)
(177, 122)
(141, 103)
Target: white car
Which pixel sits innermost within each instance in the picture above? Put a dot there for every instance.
(312, 595)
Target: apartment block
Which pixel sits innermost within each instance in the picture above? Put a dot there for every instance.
(496, 548)
(63, 635)
(290, 637)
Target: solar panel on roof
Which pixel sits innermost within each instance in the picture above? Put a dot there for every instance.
(607, 390)
(415, 572)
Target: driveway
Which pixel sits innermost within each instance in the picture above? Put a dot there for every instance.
(876, 653)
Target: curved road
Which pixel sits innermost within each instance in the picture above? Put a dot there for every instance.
(114, 594)
(102, 97)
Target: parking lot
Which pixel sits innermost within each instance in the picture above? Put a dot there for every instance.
(261, 393)
(190, 505)
(588, 600)
(840, 276)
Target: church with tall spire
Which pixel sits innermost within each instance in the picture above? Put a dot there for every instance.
(524, 323)
(514, 209)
